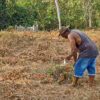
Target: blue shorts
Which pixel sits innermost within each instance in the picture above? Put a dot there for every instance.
(82, 64)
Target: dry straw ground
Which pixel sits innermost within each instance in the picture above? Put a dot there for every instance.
(29, 68)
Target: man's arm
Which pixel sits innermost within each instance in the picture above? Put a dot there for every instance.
(73, 48)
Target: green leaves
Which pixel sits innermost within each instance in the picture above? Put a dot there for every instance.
(43, 12)
(3, 15)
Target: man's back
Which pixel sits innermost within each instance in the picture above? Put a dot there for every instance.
(87, 48)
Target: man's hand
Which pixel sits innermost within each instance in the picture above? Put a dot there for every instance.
(68, 57)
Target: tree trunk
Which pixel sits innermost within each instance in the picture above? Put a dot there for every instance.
(87, 8)
(90, 19)
(90, 13)
(58, 13)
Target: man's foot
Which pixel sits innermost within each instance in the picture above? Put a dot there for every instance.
(74, 84)
(75, 81)
(91, 81)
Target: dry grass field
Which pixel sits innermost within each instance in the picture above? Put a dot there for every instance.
(30, 67)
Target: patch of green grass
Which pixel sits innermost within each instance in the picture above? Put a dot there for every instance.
(50, 71)
(57, 71)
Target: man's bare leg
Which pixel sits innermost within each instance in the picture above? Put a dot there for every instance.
(75, 80)
(91, 80)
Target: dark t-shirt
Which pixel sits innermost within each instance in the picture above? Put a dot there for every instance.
(87, 48)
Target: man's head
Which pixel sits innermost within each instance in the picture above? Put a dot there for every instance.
(64, 31)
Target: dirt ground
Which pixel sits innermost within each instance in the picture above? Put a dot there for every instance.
(28, 67)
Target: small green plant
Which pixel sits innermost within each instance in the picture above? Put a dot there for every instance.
(51, 71)
(64, 73)
(67, 75)
(61, 73)
(59, 69)
(57, 66)
(10, 27)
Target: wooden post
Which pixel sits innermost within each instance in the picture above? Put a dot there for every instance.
(58, 13)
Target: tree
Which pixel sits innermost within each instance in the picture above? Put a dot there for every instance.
(3, 14)
(58, 13)
(77, 13)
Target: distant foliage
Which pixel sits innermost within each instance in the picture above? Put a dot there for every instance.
(3, 14)
(77, 13)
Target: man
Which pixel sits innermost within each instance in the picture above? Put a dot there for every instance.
(88, 52)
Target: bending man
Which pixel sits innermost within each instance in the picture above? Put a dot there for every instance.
(88, 52)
